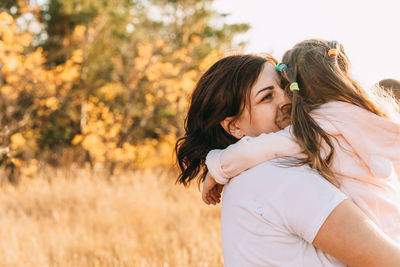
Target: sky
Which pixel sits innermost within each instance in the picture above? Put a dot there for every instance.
(368, 30)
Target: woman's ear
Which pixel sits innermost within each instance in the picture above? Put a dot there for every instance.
(231, 127)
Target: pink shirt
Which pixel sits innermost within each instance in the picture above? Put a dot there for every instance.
(368, 146)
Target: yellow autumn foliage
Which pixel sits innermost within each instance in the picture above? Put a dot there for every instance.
(79, 33)
(30, 89)
(17, 141)
(110, 94)
(111, 90)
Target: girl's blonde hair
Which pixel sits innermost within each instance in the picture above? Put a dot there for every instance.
(322, 78)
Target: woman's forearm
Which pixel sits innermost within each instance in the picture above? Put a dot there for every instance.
(349, 235)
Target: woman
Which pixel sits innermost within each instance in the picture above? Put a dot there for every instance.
(348, 136)
(229, 93)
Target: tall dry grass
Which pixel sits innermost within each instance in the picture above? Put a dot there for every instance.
(75, 218)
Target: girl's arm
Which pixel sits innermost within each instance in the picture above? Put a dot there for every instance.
(248, 152)
(348, 235)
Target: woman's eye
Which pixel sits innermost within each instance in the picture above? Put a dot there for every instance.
(267, 96)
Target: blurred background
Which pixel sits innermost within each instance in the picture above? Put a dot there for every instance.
(101, 83)
(93, 96)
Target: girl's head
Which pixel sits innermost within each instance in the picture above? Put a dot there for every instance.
(392, 85)
(239, 95)
(322, 76)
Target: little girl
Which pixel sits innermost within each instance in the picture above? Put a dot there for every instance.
(350, 138)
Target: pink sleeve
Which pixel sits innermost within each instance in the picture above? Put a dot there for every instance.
(248, 152)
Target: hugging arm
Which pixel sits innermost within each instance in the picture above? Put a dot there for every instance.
(317, 212)
(249, 152)
(348, 235)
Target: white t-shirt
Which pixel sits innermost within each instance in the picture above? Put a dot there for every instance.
(271, 214)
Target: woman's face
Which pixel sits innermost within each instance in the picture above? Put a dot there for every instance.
(268, 108)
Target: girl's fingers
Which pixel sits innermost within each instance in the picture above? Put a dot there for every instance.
(204, 197)
(220, 187)
(214, 200)
(210, 198)
(215, 197)
(217, 191)
(211, 201)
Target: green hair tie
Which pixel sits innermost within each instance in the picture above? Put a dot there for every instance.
(294, 87)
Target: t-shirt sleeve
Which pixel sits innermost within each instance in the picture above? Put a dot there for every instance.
(309, 201)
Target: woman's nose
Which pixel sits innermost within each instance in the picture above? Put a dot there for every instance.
(283, 99)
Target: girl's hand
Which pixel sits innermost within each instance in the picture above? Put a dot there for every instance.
(211, 192)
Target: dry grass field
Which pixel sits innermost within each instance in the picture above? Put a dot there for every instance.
(77, 218)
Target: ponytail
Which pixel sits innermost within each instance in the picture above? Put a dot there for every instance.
(309, 135)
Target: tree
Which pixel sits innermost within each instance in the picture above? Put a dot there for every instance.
(136, 63)
(29, 95)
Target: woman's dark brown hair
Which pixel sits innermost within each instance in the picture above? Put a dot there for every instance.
(321, 79)
(221, 92)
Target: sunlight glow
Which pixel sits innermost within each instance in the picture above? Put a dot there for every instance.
(368, 30)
